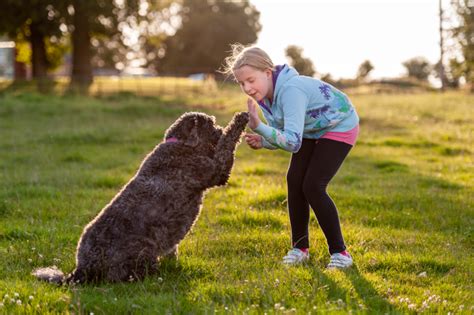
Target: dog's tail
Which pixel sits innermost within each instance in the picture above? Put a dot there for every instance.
(50, 274)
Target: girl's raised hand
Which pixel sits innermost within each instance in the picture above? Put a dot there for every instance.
(253, 113)
(253, 140)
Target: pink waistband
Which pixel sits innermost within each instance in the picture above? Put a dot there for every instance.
(349, 136)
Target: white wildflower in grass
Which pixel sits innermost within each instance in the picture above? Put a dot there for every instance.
(412, 306)
(6, 296)
(461, 307)
(30, 260)
(30, 297)
(12, 300)
(277, 305)
(18, 302)
(422, 274)
(160, 279)
(425, 304)
(33, 248)
(434, 298)
(1, 304)
(16, 294)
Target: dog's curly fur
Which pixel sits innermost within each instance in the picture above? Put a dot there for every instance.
(154, 211)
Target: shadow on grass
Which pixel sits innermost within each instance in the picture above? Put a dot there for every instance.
(44, 86)
(163, 292)
(385, 192)
(366, 291)
(366, 297)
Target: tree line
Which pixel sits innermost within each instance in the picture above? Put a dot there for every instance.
(167, 36)
(459, 66)
(183, 37)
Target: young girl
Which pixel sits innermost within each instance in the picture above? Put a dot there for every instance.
(313, 120)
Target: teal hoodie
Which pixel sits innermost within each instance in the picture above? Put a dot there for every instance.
(303, 107)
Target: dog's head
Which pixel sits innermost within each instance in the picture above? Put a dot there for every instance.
(194, 129)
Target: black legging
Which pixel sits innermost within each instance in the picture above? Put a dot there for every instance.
(310, 171)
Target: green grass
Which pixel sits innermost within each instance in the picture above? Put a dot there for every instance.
(405, 197)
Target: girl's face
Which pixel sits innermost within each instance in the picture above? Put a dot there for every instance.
(255, 83)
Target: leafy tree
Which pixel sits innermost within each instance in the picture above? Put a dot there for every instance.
(364, 70)
(93, 18)
(303, 65)
(98, 34)
(207, 28)
(418, 68)
(39, 23)
(449, 75)
(464, 35)
(52, 26)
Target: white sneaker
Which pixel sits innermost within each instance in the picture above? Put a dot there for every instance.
(340, 261)
(295, 256)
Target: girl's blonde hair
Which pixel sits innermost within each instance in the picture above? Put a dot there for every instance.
(247, 56)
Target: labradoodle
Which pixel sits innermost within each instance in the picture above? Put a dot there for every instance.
(155, 210)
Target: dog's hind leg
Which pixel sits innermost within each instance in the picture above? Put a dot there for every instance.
(172, 254)
(81, 276)
(119, 273)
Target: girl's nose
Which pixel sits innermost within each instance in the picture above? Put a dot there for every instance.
(247, 89)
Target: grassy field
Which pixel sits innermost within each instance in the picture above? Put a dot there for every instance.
(405, 197)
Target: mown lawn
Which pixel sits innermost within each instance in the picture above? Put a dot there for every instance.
(405, 197)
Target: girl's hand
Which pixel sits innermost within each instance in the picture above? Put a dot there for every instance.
(254, 119)
(254, 141)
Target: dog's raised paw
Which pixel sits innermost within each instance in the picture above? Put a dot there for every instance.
(242, 118)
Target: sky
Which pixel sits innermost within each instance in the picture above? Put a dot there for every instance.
(338, 35)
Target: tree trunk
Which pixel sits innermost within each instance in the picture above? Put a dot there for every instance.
(81, 76)
(20, 73)
(38, 54)
(442, 73)
(39, 60)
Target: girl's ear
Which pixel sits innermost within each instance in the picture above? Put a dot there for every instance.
(268, 73)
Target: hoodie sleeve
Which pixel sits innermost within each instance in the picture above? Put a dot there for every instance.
(294, 102)
(268, 145)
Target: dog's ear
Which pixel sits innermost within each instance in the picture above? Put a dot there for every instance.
(192, 138)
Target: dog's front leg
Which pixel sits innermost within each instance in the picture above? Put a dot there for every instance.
(224, 156)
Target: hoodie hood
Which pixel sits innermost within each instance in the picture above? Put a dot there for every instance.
(286, 73)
